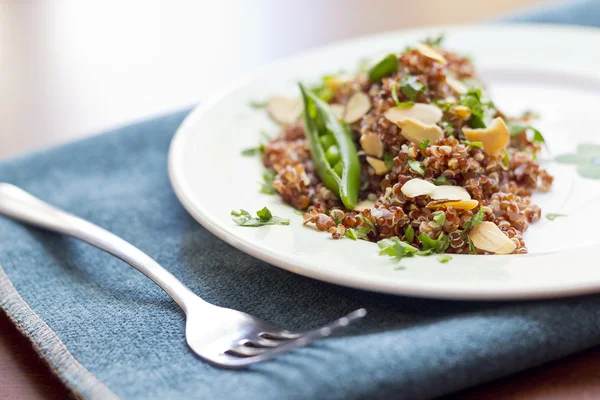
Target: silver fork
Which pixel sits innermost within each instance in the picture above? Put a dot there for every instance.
(222, 336)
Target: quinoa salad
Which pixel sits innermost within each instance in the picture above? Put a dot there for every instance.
(410, 153)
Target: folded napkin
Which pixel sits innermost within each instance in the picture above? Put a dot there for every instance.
(109, 332)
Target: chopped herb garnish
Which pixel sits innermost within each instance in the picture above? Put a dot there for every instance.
(263, 217)
(411, 87)
(448, 127)
(251, 151)
(530, 114)
(299, 212)
(383, 68)
(405, 104)
(439, 217)
(361, 232)
(409, 234)
(505, 158)
(517, 128)
(440, 181)
(336, 219)
(472, 248)
(257, 104)
(394, 91)
(478, 145)
(472, 100)
(267, 184)
(553, 216)
(388, 160)
(394, 247)
(475, 220)
(444, 259)
(431, 246)
(435, 41)
(416, 166)
(423, 145)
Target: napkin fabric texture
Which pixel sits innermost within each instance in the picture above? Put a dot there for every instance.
(108, 331)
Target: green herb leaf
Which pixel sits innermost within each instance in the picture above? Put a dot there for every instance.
(517, 128)
(440, 181)
(299, 212)
(472, 248)
(475, 220)
(438, 245)
(416, 166)
(448, 127)
(257, 104)
(553, 216)
(444, 259)
(383, 68)
(439, 217)
(264, 217)
(435, 41)
(472, 100)
(405, 104)
(388, 160)
(478, 145)
(267, 184)
(362, 231)
(409, 234)
(423, 145)
(394, 91)
(411, 87)
(505, 158)
(394, 247)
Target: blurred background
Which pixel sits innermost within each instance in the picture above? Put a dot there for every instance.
(70, 68)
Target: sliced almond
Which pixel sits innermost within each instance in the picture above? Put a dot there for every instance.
(378, 166)
(488, 237)
(338, 110)
(431, 53)
(372, 144)
(494, 138)
(459, 205)
(462, 111)
(456, 85)
(358, 106)
(417, 187)
(364, 205)
(447, 192)
(283, 110)
(416, 131)
(426, 113)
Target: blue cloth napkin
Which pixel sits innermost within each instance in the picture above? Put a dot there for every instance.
(109, 332)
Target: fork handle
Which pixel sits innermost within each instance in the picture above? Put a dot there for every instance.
(21, 206)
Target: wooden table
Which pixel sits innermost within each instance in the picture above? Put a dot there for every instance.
(23, 375)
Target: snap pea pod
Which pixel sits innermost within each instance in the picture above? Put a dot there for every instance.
(332, 149)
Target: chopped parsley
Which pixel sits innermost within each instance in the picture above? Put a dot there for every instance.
(505, 158)
(251, 151)
(553, 216)
(388, 160)
(448, 127)
(394, 247)
(267, 183)
(478, 145)
(440, 181)
(299, 212)
(411, 87)
(383, 68)
(423, 145)
(472, 248)
(439, 217)
(444, 259)
(409, 234)
(394, 91)
(517, 128)
(416, 166)
(361, 232)
(435, 41)
(257, 104)
(475, 220)
(431, 246)
(472, 100)
(263, 217)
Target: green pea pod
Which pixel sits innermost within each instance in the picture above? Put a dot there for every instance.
(320, 120)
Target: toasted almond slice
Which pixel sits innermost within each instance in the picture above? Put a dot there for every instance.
(456, 85)
(488, 237)
(284, 110)
(426, 113)
(462, 111)
(358, 106)
(494, 138)
(378, 165)
(430, 53)
(372, 144)
(338, 110)
(416, 131)
(459, 205)
(447, 192)
(417, 187)
(363, 205)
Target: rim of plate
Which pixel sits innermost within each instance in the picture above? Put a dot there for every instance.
(417, 289)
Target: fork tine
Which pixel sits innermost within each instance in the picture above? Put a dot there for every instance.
(269, 353)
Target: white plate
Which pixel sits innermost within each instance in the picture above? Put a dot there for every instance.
(552, 69)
